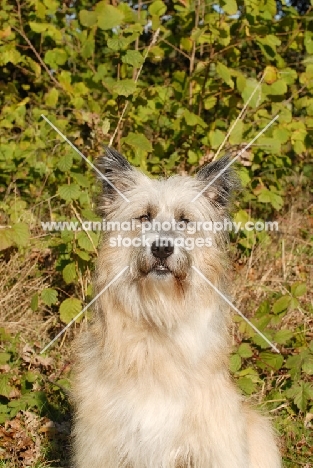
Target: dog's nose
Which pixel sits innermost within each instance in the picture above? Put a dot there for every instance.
(162, 251)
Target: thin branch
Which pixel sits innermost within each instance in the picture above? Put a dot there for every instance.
(137, 40)
(22, 33)
(194, 48)
(175, 48)
(82, 225)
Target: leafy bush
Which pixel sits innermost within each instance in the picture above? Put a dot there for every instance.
(164, 81)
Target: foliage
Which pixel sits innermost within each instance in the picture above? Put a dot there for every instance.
(79, 65)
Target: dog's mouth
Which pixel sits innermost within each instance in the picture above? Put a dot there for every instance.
(160, 268)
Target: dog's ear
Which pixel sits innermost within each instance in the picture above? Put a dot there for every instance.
(115, 174)
(220, 181)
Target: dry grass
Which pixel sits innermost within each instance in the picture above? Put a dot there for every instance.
(282, 259)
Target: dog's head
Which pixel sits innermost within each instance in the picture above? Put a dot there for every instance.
(160, 229)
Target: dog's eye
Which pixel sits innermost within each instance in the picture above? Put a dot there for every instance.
(184, 220)
(145, 217)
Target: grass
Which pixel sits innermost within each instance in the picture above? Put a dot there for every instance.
(35, 432)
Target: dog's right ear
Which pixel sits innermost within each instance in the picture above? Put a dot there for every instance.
(115, 174)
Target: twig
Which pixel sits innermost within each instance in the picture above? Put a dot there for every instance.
(175, 48)
(193, 53)
(283, 258)
(82, 225)
(61, 387)
(137, 40)
(154, 39)
(23, 34)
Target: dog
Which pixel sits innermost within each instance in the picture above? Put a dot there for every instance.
(151, 384)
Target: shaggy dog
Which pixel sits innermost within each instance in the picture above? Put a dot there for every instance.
(151, 387)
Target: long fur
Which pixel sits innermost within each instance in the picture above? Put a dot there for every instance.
(151, 386)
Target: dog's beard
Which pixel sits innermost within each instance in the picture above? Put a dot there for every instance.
(156, 290)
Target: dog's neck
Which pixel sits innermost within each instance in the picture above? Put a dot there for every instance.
(137, 346)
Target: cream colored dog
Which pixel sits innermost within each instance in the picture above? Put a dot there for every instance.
(152, 389)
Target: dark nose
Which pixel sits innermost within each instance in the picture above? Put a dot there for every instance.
(162, 249)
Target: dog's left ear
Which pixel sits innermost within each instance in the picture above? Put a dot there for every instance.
(116, 176)
(220, 180)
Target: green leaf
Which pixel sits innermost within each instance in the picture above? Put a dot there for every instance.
(88, 18)
(4, 358)
(138, 141)
(270, 74)
(307, 365)
(52, 97)
(30, 377)
(69, 309)
(84, 241)
(65, 163)
(216, 138)
(69, 192)
(209, 102)
(69, 273)
(281, 134)
(124, 87)
(281, 304)
(249, 89)
(34, 302)
(38, 27)
(283, 336)
(157, 8)
(49, 296)
(271, 360)
(55, 57)
(268, 196)
(83, 255)
(5, 239)
(235, 137)
(245, 350)
(301, 393)
(235, 362)
(81, 179)
(278, 88)
(20, 234)
(88, 48)
(308, 41)
(246, 385)
(5, 387)
(192, 157)
(133, 57)
(263, 309)
(298, 289)
(224, 73)
(294, 363)
(105, 126)
(110, 17)
(192, 119)
(117, 43)
(230, 7)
